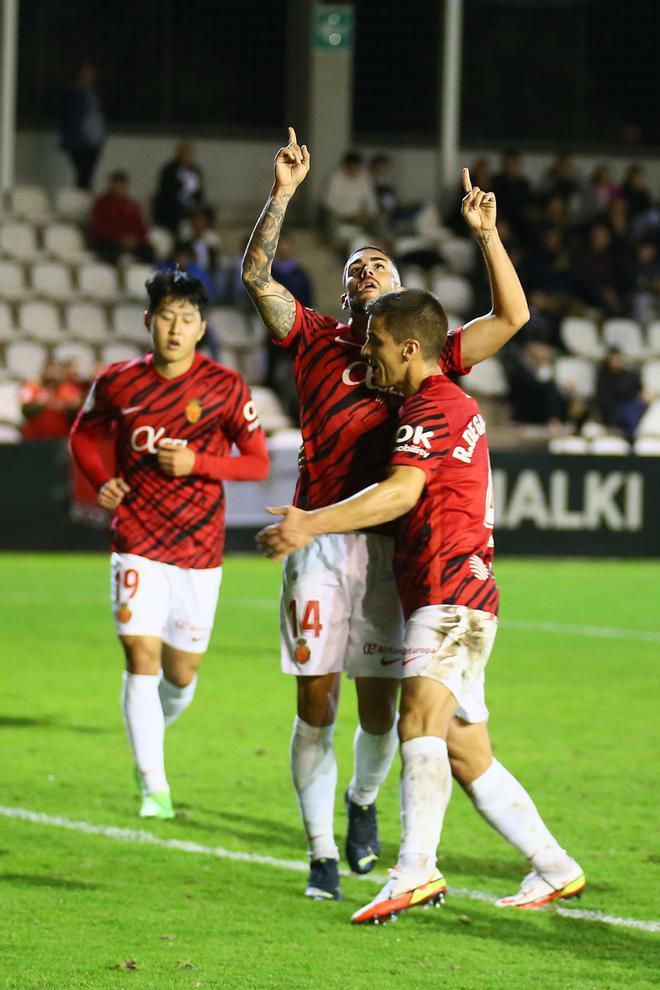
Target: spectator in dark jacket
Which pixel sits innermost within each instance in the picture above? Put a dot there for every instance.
(117, 223)
(180, 189)
(82, 127)
(621, 402)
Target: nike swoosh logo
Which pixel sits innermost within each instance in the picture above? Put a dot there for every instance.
(410, 659)
(129, 409)
(388, 663)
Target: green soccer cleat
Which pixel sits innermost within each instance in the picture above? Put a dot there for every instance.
(158, 805)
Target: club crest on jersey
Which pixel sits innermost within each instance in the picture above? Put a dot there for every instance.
(124, 614)
(194, 411)
(302, 652)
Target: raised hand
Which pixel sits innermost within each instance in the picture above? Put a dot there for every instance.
(291, 164)
(478, 207)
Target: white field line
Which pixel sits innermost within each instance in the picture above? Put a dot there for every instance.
(139, 837)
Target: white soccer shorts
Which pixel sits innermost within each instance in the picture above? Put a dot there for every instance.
(340, 609)
(175, 604)
(451, 644)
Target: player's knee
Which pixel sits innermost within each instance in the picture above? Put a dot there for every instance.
(141, 657)
(466, 767)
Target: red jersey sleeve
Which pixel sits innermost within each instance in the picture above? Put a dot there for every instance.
(422, 440)
(450, 359)
(306, 324)
(241, 426)
(96, 420)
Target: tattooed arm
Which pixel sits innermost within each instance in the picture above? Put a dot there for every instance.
(485, 336)
(275, 304)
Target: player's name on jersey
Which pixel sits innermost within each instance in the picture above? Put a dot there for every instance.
(561, 500)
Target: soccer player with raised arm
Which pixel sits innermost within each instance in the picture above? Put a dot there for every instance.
(175, 415)
(340, 609)
(439, 488)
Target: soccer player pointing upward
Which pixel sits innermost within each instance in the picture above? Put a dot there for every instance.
(439, 488)
(175, 415)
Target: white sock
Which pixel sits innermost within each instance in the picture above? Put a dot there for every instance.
(506, 805)
(425, 792)
(373, 757)
(145, 725)
(314, 771)
(174, 699)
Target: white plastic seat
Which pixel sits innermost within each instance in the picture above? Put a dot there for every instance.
(98, 281)
(413, 277)
(579, 335)
(75, 350)
(52, 280)
(9, 433)
(653, 338)
(110, 353)
(40, 320)
(161, 241)
(626, 335)
(10, 402)
(87, 321)
(459, 253)
(13, 285)
(649, 424)
(454, 292)
(486, 378)
(271, 414)
(651, 378)
(286, 439)
(610, 445)
(128, 323)
(25, 358)
(65, 242)
(647, 446)
(232, 326)
(73, 204)
(134, 278)
(30, 203)
(19, 241)
(576, 375)
(568, 445)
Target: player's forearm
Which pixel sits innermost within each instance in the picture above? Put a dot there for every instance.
(274, 303)
(243, 467)
(371, 507)
(84, 451)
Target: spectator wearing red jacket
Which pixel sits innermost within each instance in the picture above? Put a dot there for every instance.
(118, 225)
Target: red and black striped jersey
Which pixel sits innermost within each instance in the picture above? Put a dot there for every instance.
(347, 423)
(173, 520)
(444, 545)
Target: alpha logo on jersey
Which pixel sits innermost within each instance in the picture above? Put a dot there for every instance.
(471, 435)
(414, 440)
(194, 411)
(147, 438)
(359, 373)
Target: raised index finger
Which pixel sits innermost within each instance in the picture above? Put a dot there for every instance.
(292, 136)
(467, 183)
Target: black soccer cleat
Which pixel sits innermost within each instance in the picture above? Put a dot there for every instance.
(362, 842)
(323, 880)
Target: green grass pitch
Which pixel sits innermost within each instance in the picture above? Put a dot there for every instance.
(573, 713)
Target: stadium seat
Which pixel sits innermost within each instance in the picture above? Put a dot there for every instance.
(647, 446)
(579, 335)
(459, 253)
(414, 277)
(651, 378)
(486, 378)
(626, 335)
(110, 353)
(454, 292)
(568, 445)
(128, 323)
(161, 241)
(73, 204)
(10, 402)
(52, 280)
(19, 241)
(230, 358)
(576, 374)
(98, 281)
(40, 320)
(30, 203)
(9, 433)
(615, 446)
(134, 278)
(7, 329)
(287, 439)
(13, 285)
(83, 354)
(65, 242)
(25, 358)
(653, 338)
(87, 321)
(269, 407)
(232, 326)
(649, 424)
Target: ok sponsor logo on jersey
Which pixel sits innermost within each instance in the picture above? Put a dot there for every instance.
(148, 438)
(414, 440)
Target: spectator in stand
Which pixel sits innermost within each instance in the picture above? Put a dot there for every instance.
(621, 402)
(560, 179)
(549, 280)
(645, 282)
(600, 273)
(350, 202)
(513, 193)
(203, 239)
(616, 217)
(118, 225)
(50, 404)
(180, 189)
(82, 125)
(535, 397)
(597, 195)
(635, 192)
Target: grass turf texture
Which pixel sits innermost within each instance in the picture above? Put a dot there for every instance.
(574, 716)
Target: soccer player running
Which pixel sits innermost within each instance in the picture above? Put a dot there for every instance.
(175, 415)
(340, 609)
(439, 487)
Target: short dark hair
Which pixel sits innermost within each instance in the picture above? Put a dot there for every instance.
(372, 247)
(176, 285)
(414, 314)
(352, 158)
(119, 175)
